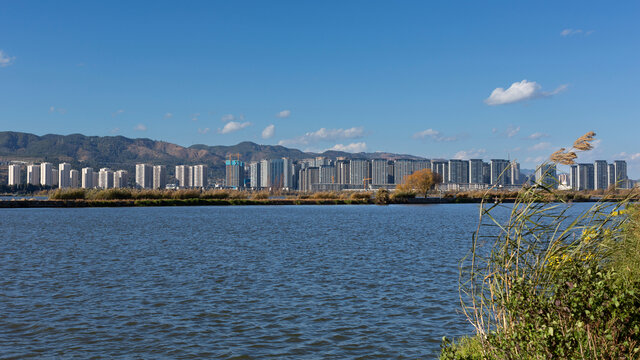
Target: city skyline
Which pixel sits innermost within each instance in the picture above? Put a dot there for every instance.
(409, 77)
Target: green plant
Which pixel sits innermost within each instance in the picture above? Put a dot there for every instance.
(361, 196)
(68, 194)
(542, 282)
(382, 197)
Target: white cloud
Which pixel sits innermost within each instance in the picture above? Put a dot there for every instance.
(536, 160)
(520, 91)
(268, 132)
(5, 60)
(352, 148)
(115, 130)
(117, 112)
(537, 135)
(470, 154)
(140, 127)
(540, 146)
(232, 126)
(628, 156)
(168, 115)
(572, 32)
(512, 131)
(203, 131)
(53, 109)
(231, 117)
(284, 114)
(434, 135)
(194, 117)
(324, 134)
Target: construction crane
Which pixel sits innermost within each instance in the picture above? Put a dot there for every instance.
(231, 156)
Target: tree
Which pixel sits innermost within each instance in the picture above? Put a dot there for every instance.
(420, 181)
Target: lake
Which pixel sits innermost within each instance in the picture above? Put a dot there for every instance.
(241, 282)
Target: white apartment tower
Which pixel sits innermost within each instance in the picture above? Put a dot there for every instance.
(159, 177)
(105, 178)
(199, 176)
(33, 174)
(144, 176)
(15, 174)
(74, 178)
(183, 175)
(46, 174)
(64, 175)
(120, 178)
(87, 178)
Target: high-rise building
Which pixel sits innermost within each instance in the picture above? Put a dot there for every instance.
(322, 161)
(15, 174)
(421, 164)
(183, 175)
(105, 178)
(458, 171)
(46, 174)
(234, 176)
(441, 167)
(601, 174)
(514, 173)
(144, 176)
(499, 173)
(342, 171)
(74, 178)
(264, 174)
(611, 173)
(379, 172)
(582, 177)
(120, 179)
(287, 174)
(401, 169)
(159, 177)
(546, 175)
(95, 179)
(54, 177)
(360, 172)
(272, 173)
(254, 175)
(475, 172)
(621, 173)
(486, 173)
(33, 174)
(199, 176)
(87, 178)
(326, 174)
(308, 177)
(64, 176)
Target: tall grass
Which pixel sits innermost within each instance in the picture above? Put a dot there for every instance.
(543, 282)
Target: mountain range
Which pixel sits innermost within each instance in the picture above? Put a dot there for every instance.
(119, 152)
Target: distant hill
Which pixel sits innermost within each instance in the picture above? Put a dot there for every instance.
(119, 152)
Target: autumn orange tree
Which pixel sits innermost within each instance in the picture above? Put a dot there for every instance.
(420, 181)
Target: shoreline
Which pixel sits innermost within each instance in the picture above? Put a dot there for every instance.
(33, 203)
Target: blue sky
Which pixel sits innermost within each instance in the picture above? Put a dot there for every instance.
(412, 77)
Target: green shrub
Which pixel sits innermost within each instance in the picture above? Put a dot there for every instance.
(260, 195)
(68, 194)
(361, 196)
(325, 195)
(215, 194)
(403, 195)
(111, 194)
(382, 197)
(547, 284)
(186, 194)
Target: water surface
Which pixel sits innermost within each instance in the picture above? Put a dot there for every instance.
(248, 281)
